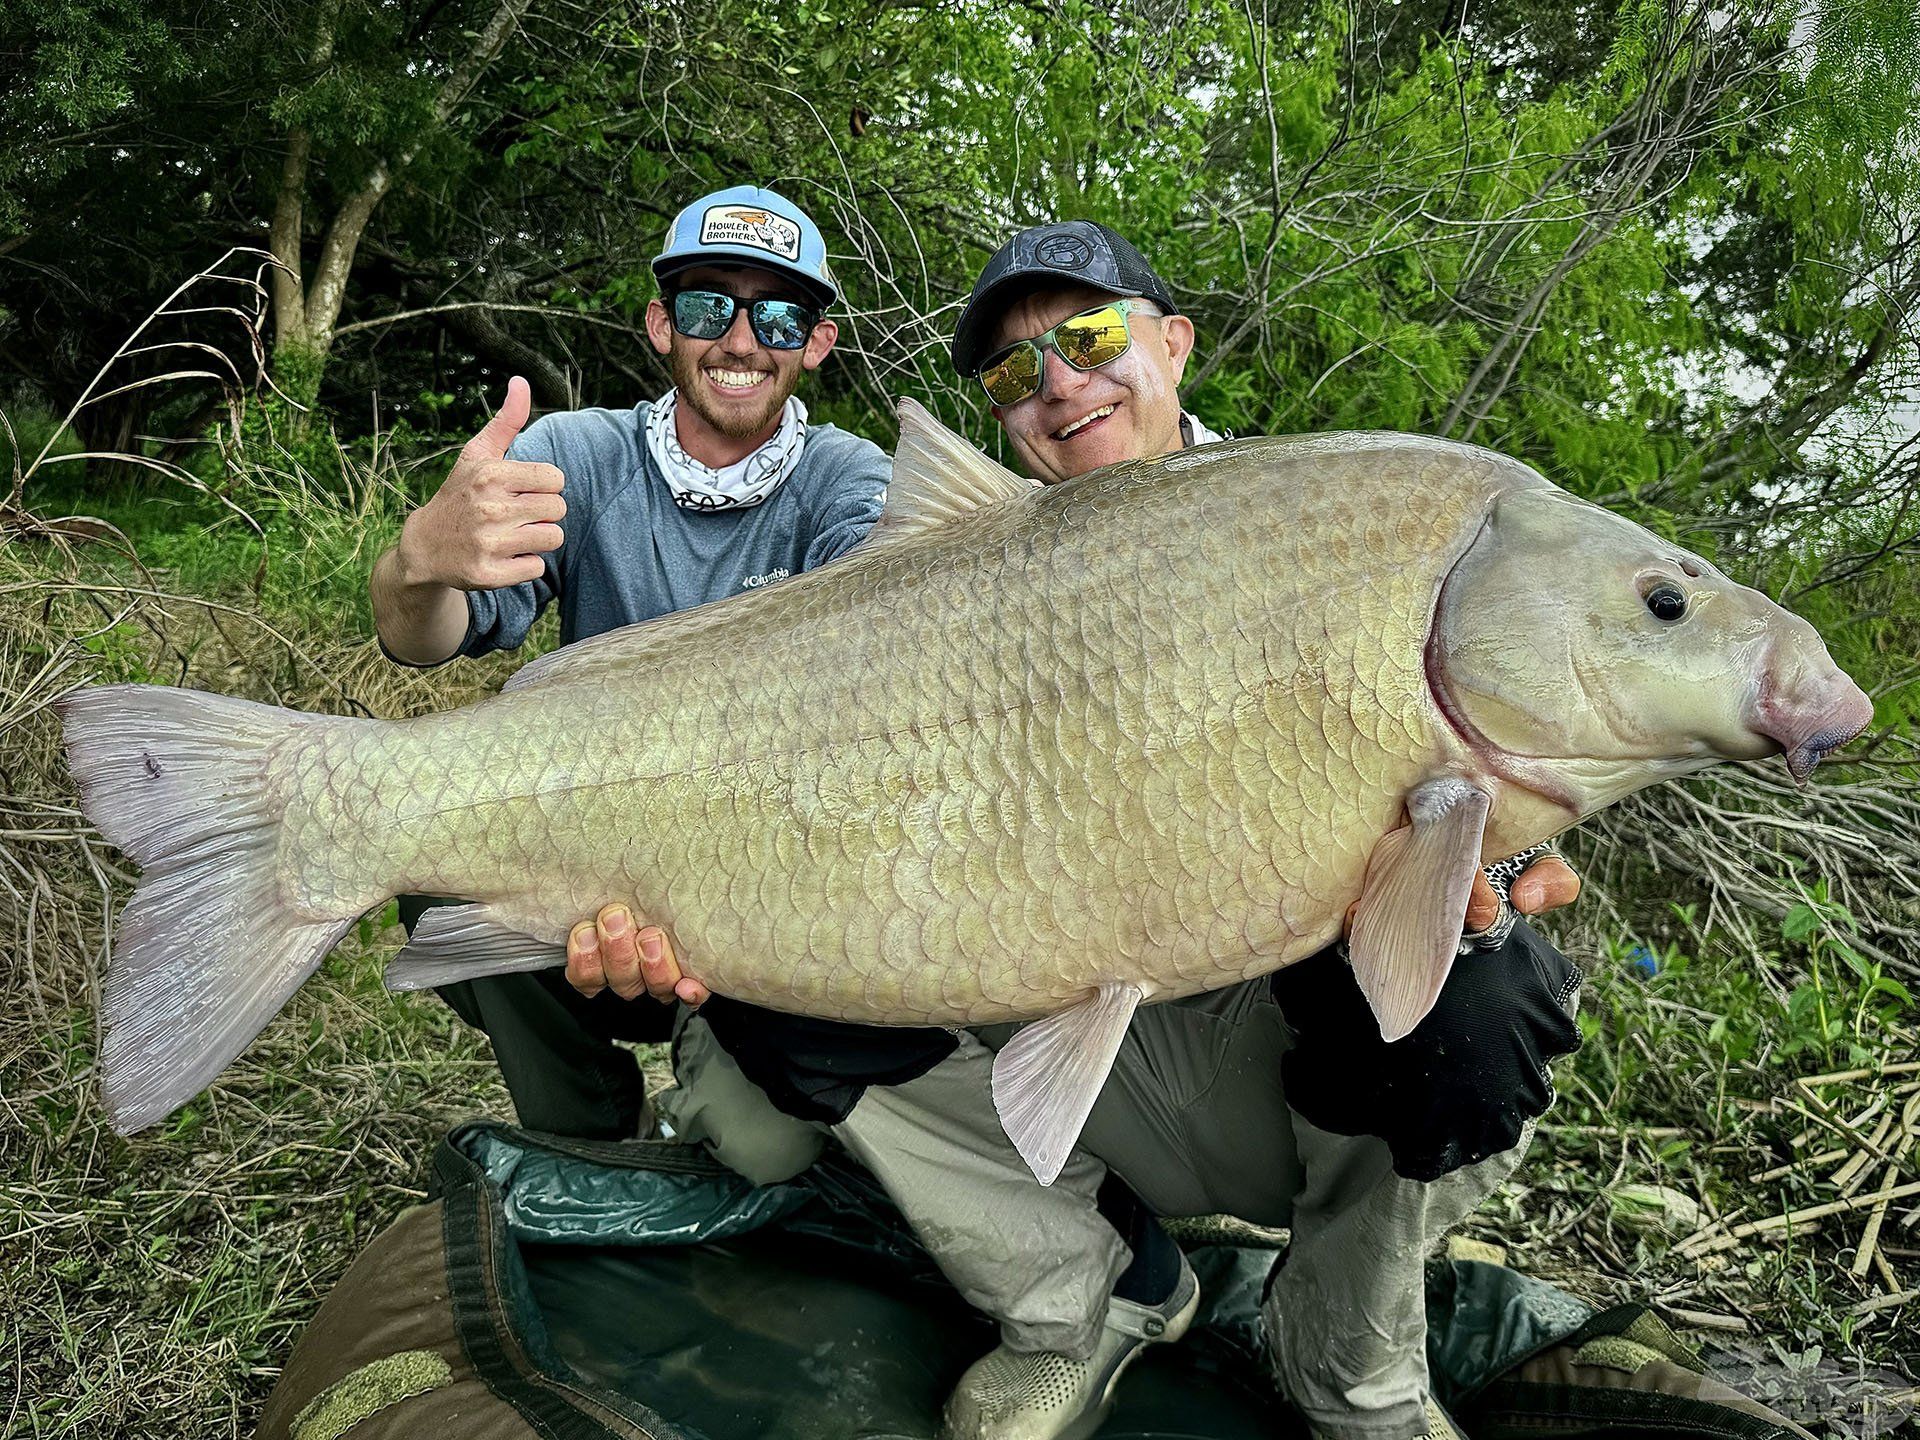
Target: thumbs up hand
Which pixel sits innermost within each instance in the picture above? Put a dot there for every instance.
(492, 519)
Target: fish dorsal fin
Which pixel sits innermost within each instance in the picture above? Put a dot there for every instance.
(1407, 929)
(938, 477)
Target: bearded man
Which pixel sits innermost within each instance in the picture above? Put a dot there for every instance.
(718, 486)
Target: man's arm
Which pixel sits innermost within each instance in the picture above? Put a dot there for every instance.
(846, 509)
(419, 620)
(1465, 1083)
(490, 525)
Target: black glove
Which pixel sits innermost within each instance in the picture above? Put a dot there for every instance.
(1463, 1084)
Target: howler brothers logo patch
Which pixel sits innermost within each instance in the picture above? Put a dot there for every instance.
(746, 225)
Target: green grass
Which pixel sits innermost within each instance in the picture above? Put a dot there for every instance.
(1690, 1083)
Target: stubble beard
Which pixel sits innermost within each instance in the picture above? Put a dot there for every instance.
(735, 424)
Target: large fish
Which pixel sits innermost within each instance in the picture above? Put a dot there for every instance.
(1025, 753)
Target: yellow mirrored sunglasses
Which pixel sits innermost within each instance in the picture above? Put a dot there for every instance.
(1085, 341)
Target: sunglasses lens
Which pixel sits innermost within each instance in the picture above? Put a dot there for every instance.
(1089, 341)
(702, 314)
(1013, 376)
(782, 324)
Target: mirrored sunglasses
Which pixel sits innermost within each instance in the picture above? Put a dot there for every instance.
(1085, 341)
(777, 324)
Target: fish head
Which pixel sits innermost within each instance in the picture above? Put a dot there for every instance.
(1584, 657)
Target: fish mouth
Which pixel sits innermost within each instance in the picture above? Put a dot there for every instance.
(1810, 720)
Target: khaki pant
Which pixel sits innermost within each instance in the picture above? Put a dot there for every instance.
(1195, 1120)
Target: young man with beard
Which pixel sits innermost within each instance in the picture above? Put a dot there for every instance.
(719, 486)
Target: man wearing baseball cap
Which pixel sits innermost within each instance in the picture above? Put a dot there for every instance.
(1276, 1101)
(1364, 1150)
(616, 516)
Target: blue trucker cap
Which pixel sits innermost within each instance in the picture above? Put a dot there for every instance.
(746, 225)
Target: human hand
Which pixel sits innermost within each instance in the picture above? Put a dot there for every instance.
(1546, 884)
(607, 953)
(492, 519)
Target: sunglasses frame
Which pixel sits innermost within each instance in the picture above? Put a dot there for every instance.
(811, 313)
(1128, 308)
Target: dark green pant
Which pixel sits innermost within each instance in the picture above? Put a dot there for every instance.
(556, 1047)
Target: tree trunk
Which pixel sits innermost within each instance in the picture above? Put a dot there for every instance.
(307, 308)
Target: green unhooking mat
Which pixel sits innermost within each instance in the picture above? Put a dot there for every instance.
(578, 1291)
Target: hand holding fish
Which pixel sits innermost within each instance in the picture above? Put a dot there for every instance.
(607, 953)
(492, 519)
(1547, 884)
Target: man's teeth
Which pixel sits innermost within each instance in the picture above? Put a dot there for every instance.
(1085, 420)
(734, 379)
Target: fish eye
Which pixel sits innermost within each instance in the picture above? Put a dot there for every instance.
(1666, 602)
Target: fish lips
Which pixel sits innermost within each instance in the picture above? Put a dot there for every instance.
(1810, 721)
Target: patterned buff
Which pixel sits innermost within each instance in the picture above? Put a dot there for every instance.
(747, 482)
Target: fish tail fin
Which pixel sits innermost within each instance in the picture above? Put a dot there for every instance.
(210, 946)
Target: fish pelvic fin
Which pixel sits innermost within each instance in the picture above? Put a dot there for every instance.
(938, 477)
(1407, 930)
(209, 947)
(466, 942)
(1047, 1077)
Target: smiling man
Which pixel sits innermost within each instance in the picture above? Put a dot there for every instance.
(720, 485)
(1083, 293)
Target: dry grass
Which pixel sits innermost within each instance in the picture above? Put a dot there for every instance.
(152, 1286)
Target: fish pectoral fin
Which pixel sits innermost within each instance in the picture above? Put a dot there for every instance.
(1407, 930)
(938, 477)
(1047, 1077)
(467, 942)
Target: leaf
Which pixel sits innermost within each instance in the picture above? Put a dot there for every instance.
(1800, 922)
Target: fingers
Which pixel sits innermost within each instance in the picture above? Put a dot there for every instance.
(538, 507)
(1483, 906)
(516, 571)
(536, 539)
(1547, 884)
(511, 418)
(659, 965)
(609, 953)
(585, 971)
(534, 477)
